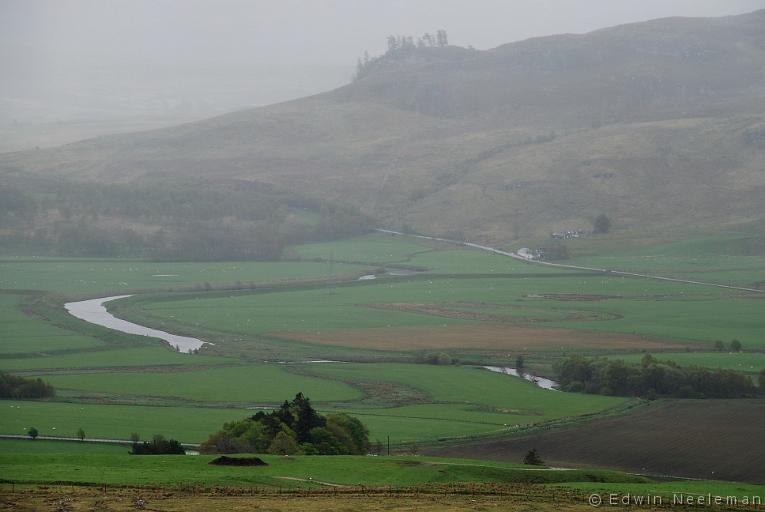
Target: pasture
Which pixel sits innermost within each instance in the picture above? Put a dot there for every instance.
(83, 463)
(251, 384)
(114, 276)
(727, 259)
(475, 306)
(744, 362)
(647, 315)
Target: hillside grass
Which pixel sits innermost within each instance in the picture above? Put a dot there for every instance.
(28, 461)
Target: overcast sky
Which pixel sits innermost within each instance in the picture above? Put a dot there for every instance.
(216, 55)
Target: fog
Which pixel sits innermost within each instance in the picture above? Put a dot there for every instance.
(180, 59)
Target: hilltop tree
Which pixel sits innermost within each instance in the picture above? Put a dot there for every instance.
(601, 224)
(532, 458)
(441, 38)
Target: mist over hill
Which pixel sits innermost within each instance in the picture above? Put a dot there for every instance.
(658, 124)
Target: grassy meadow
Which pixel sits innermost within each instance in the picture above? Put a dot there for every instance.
(42, 461)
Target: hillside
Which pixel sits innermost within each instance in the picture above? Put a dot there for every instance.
(658, 124)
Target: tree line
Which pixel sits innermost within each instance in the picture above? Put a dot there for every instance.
(13, 386)
(227, 221)
(293, 428)
(399, 48)
(652, 378)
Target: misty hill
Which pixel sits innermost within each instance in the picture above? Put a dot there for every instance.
(658, 124)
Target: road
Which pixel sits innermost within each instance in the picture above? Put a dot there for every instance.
(569, 267)
(86, 440)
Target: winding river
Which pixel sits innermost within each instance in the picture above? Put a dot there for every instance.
(94, 311)
(539, 381)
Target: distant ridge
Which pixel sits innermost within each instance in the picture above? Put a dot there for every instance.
(659, 124)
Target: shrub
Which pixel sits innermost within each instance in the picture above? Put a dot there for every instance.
(158, 446)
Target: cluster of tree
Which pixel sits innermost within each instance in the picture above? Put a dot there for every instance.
(735, 346)
(12, 386)
(601, 224)
(222, 222)
(650, 378)
(157, 446)
(437, 358)
(399, 48)
(294, 428)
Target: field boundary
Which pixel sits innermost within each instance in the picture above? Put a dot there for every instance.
(518, 257)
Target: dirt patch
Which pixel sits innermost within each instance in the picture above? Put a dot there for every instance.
(456, 311)
(435, 310)
(690, 438)
(511, 497)
(478, 336)
(238, 461)
(572, 296)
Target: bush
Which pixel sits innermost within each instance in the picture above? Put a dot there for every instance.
(158, 446)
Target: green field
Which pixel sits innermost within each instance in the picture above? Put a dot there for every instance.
(40, 461)
(47, 461)
(672, 311)
(373, 248)
(195, 424)
(112, 358)
(89, 276)
(476, 306)
(727, 259)
(406, 402)
(481, 395)
(187, 424)
(744, 362)
(25, 333)
(251, 384)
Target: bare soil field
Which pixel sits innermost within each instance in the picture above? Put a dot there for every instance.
(452, 499)
(478, 336)
(720, 439)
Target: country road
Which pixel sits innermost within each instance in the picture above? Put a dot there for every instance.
(86, 440)
(569, 267)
